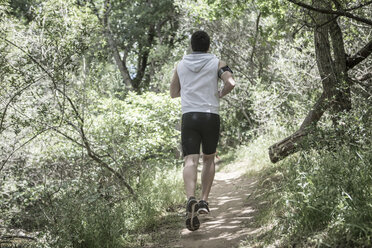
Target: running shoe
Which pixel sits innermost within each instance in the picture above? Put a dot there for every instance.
(192, 221)
(203, 207)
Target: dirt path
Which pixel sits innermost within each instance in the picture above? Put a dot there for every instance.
(232, 215)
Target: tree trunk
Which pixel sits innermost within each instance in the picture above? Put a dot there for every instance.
(119, 62)
(342, 93)
(335, 82)
(114, 48)
(143, 56)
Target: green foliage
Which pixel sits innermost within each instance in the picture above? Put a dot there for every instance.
(139, 28)
(75, 203)
(70, 134)
(4, 5)
(323, 197)
(135, 128)
(276, 8)
(331, 192)
(90, 218)
(140, 16)
(214, 9)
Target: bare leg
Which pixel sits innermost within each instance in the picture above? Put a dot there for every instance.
(207, 176)
(190, 174)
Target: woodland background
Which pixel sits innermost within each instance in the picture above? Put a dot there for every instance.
(90, 140)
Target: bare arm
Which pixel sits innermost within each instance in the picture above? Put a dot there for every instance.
(175, 87)
(228, 80)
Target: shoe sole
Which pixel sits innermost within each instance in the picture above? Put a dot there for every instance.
(203, 211)
(192, 221)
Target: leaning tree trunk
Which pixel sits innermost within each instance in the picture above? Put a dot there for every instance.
(333, 72)
(114, 48)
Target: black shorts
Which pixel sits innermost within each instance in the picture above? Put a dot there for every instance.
(200, 128)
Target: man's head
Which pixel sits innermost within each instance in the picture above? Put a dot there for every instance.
(200, 41)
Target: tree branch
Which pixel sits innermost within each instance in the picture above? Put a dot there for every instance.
(16, 236)
(286, 146)
(241, 107)
(96, 158)
(361, 55)
(48, 73)
(9, 102)
(111, 41)
(359, 6)
(316, 112)
(22, 145)
(28, 55)
(334, 12)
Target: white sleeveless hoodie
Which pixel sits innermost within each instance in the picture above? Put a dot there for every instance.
(199, 83)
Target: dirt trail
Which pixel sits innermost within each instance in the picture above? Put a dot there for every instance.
(232, 215)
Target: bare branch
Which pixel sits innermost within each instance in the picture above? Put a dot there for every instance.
(16, 236)
(286, 146)
(49, 75)
(334, 12)
(28, 55)
(9, 102)
(241, 107)
(96, 158)
(316, 112)
(22, 145)
(68, 137)
(86, 144)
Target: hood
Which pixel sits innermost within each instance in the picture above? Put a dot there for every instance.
(196, 61)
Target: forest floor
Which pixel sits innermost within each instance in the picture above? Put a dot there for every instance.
(232, 221)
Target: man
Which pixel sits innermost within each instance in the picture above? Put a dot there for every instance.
(195, 80)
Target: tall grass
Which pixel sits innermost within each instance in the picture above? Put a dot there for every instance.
(321, 196)
(328, 198)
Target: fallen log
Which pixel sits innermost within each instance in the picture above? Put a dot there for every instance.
(286, 146)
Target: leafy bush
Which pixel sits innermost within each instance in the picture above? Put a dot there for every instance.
(86, 217)
(140, 127)
(71, 201)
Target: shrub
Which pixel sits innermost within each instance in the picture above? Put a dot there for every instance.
(326, 191)
(71, 201)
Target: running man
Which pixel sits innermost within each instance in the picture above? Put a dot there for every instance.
(195, 80)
